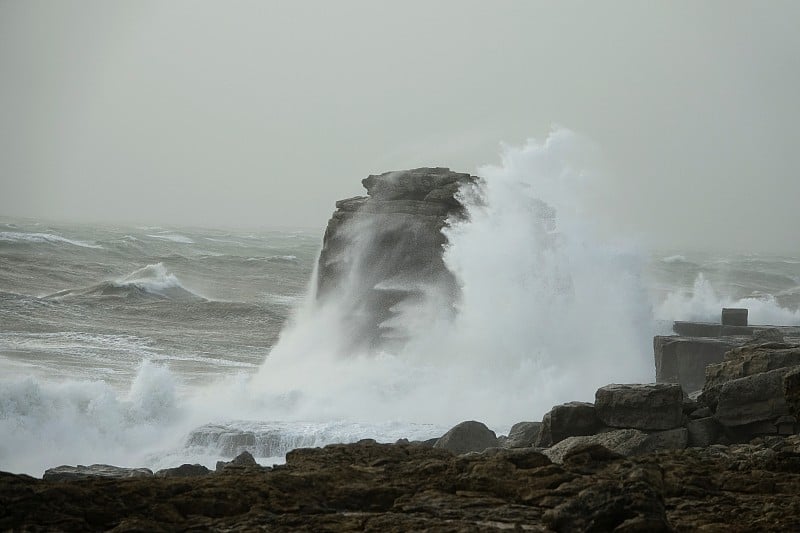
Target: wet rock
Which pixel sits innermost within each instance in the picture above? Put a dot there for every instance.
(470, 436)
(243, 460)
(385, 251)
(185, 470)
(753, 398)
(71, 473)
(568, 420)
(381, 487)
(655, 406)
(684, 360)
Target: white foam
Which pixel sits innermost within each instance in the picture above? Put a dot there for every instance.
(704, 303)
(15, 236)
(549, 312)
(173, 237)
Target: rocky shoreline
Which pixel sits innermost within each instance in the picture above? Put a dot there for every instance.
(643, 457)
(713, 445)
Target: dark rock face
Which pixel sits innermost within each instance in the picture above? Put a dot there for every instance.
(386, 249)
(467, 437)
(684, 360)
(568, 420)
(655, 406)
(185, 470)
(378, 487)
(71, 473)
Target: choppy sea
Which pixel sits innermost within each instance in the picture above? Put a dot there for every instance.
(106, 330)
(155, 346)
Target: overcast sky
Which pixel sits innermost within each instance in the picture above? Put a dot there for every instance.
(265, 113)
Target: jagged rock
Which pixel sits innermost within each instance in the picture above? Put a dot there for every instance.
(754, 398)
(243, 460)
(655, 406)
(625, 442)
(385, 250)
(470, 436)
(71, 473)
(185, 470)
(684, 360)
(568, 420)
(375, 487)
(522, 435)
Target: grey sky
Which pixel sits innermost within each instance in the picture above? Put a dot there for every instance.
(265, 113)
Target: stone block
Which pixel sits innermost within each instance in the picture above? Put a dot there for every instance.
(568, 420)
(655, 406)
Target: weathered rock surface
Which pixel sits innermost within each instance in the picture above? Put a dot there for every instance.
(373, 487)
(70, 473)
(470, 436)
(386, 248)
(655, 406)
(625, 442)
(684, 360)
(185, 470)
(568, 420)
(522, 435)
(753, 398)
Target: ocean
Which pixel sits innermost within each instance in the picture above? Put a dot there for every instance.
(153, 346)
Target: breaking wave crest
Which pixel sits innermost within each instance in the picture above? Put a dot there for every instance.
(42, 238)
(151, 281)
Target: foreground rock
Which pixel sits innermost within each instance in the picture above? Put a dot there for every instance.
(656, 406)
(376, 487)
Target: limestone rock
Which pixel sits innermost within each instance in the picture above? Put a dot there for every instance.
(754, 398)
(684, 360)
(470, 436)
(568, 420)
(71, 473)
(522, 435)
(393, 488)
(185, 470)
(243, 460)
(625, 442)
(648, 407)
(385, 250)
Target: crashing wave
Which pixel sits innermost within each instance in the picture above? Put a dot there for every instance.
(152, 281)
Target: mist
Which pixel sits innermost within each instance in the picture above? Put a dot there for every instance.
(264, 113)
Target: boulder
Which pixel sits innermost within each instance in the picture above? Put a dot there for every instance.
(755, 398)
(684, 360)
(243, 460)
(470, 436)
(568, 420)
(625, 442)
(656, 406)
(185, 470)
(522, 435)
(71, 473)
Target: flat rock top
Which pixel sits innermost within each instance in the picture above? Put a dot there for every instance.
(404, 487)
(415, 184)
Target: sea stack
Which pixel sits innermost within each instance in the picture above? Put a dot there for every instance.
(384, 250)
